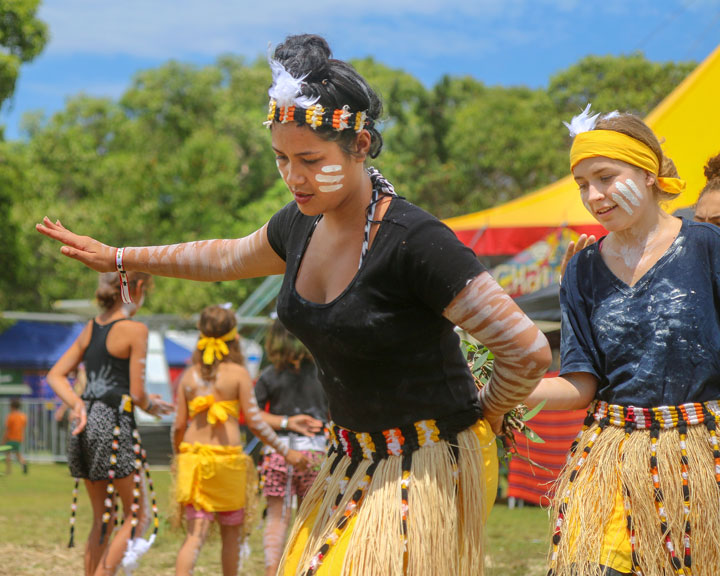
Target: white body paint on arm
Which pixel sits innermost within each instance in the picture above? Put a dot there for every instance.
(522, 354)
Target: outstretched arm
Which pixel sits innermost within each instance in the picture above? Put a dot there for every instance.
(522, 354)
(207, 260)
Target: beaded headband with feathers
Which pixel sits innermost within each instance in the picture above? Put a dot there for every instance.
(288, 104)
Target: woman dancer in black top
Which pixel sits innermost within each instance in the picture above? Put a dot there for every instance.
(101, 449)
(374, 287)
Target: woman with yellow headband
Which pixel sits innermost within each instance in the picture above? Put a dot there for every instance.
(215, 479)
(640, 493)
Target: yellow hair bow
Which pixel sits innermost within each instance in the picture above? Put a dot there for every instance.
(215, 347)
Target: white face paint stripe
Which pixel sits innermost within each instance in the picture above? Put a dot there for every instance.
(625, 191)
(331, 188)
(634, 187)
(329, 179)
(620, 201)
(331, 168)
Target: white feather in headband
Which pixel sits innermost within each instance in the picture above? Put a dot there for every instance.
(583, 122)
(286, 88)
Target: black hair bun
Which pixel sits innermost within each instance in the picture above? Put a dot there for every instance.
(304, 54)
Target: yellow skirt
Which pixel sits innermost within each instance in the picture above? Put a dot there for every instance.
(214, 478)
(640, 494)
(379, 508)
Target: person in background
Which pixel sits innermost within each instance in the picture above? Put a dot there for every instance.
(104, 446)
(14, 435)
(288, 387)
(707, 208)
(215, 479)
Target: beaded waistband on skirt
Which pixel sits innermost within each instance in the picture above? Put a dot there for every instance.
(663, 417)
(402, 440)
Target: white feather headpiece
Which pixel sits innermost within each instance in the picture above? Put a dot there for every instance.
(583, 122)
(286, 88)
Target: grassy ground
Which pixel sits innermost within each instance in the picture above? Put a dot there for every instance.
(34, 512)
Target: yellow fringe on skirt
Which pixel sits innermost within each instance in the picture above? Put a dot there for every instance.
(642, 501)
(420, 514)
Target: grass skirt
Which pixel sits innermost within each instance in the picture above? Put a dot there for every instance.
(405, 501)
(640, 493)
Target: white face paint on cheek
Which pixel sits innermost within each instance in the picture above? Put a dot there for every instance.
(629, 194)
(634, 188)
(331, 178)
(620, 201)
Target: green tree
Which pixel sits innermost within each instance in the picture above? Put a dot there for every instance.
(183, 155)
(22, 38)
(628, 83)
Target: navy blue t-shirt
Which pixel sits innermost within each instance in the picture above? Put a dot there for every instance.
(655, 343)
(385, 354)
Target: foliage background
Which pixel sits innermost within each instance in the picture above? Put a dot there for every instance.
(183, 155)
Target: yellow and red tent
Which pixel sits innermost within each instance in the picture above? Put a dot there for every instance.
(687, 122)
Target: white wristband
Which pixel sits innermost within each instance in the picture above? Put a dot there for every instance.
(124, 286)
(284, 423)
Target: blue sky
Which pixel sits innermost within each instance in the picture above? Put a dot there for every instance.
(97, 46)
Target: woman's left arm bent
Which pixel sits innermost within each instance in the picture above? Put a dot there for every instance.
(522, 354)
(59, 382)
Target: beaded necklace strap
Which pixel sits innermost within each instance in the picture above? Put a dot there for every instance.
(380, 185)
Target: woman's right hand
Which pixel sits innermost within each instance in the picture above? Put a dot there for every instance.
(573, 248)
(305, 424)
(78, 417)
(89, 251)
(297, 460)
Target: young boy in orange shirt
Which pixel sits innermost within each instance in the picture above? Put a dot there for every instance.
(14, 435)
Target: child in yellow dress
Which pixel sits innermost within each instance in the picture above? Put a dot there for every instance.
(215, 479)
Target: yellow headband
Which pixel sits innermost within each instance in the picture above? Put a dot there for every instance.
(618, 146)
(215, 347)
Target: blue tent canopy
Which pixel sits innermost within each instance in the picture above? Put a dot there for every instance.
(36, 345)
(175, 354)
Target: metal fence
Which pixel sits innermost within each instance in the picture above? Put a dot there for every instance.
(45, 437)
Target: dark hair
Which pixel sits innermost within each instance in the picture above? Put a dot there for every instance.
(15, 404)
(335, 82)
(216, 321)
(108, 290)
(712, 174)
(283, 349)
(633, 126)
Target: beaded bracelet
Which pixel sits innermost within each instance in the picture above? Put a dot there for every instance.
(124, 286)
